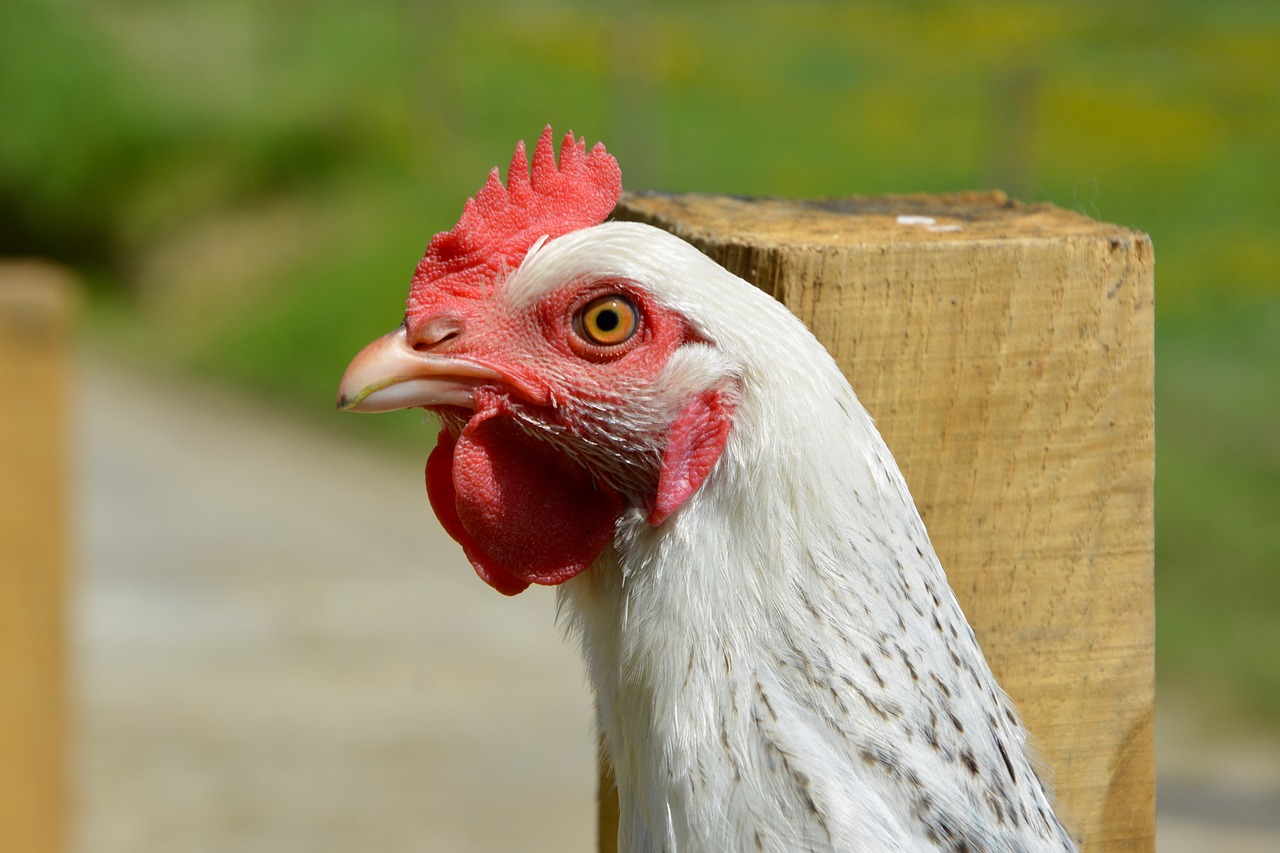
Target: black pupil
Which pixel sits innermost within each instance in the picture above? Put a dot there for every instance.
(608, 320)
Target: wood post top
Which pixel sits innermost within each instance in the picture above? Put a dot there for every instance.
(860, 220)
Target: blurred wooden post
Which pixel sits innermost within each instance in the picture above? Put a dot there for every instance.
(1006, 352)
(34, 330)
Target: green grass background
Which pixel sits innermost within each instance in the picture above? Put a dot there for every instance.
(247, 187)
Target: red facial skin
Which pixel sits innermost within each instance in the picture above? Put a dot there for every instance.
(531, 509)
(548, 358)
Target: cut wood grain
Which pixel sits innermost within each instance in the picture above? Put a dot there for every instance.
(1006, 352)
(34, 321)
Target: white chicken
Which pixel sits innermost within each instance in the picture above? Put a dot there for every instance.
(778, 660)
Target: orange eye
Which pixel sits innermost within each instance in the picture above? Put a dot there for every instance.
(607, 321)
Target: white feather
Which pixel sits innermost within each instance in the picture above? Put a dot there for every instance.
(781, 665)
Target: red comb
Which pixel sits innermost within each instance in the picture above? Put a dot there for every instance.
(499, 225)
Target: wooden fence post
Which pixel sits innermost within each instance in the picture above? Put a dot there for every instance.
(34, 328)
(1006, 352)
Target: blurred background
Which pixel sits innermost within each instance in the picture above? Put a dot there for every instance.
(244, 188)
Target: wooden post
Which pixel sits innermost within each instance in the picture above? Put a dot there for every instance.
(1006, 352)
(34, 325)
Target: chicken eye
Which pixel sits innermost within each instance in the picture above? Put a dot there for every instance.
(607, 321)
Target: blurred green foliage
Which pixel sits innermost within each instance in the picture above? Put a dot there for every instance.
(249, 185)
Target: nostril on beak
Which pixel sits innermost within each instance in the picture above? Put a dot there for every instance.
(434, 331)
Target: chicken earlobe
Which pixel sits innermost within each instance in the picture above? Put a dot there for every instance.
(694, 444)
(522, 510)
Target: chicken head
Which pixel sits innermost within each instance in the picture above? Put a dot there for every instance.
(568, 393)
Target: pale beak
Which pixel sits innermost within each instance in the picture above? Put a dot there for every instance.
(390, 374)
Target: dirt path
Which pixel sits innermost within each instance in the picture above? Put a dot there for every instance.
(277, 650)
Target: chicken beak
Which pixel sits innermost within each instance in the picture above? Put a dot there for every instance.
(389, 374)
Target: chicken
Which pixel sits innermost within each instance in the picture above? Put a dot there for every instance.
(778, 661)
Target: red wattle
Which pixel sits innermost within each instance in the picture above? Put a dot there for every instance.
(523, 511)
(444, 502)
